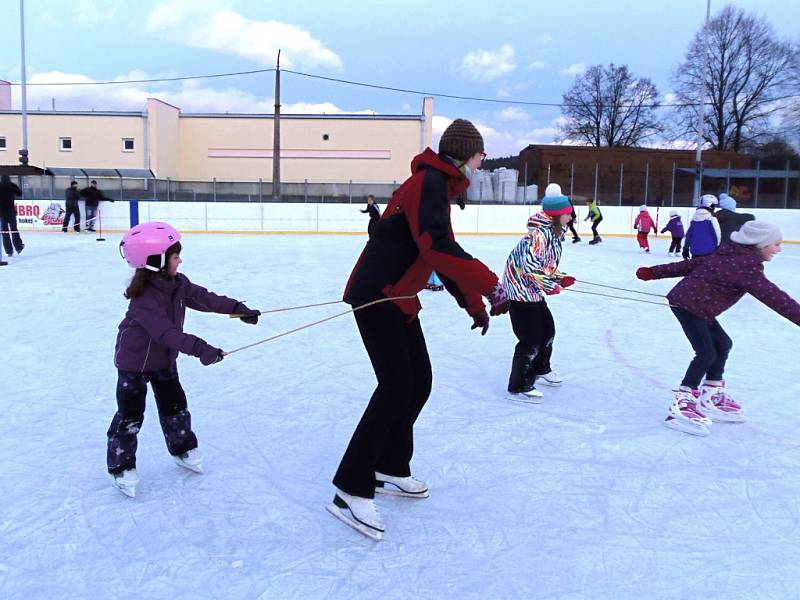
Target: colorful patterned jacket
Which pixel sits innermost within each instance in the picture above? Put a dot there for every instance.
(532, 267)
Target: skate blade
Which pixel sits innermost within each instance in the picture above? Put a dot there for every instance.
(690, 427)
(396, 491)
(543, 381)
(373, 534)
(129, 491)
(724, 417)
(185, 465)
(525, 399)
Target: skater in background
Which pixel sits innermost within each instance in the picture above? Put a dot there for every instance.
(532, 273)
(730, 220)
(374, 215)
(71, 198)
(644, 224)
(710, 286)
(703, 235)
(9, 230)
(675, 228)
(148, 342)
(572, 218)
(92, 196)
(415, 237)
(434, 283)
(596, 217)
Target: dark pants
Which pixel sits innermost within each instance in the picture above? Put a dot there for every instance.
(571, 226)
(675, 245)
(176, 422)
(384, 438)
(535, 329)
(11, 238)
(73, 210)
(594, 227)
(711, 346)
(91, 213)
(373, 224)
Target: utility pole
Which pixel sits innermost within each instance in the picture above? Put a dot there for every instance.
(276, 141)
(698, 161)
(23, 153)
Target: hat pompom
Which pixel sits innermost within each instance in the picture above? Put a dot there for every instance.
(554, 202)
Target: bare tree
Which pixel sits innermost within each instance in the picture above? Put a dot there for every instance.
(608, 106)
(744, 69)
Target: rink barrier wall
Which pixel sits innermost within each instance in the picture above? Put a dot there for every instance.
(235, 217)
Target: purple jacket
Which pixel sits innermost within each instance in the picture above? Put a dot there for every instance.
(712, 284)
(674, 226)
(151, 334)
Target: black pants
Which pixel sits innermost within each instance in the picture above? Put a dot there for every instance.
(91, 213)
(10, 234)
(384, 438)
(675, 245)
(711, 346)
(373, 223)
(594, 227)
(73, 210)
(535, 329)
(571, 226)
(176, 422)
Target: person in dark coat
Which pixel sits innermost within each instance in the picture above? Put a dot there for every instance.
(93, 196)
(711, 284)
(414, 238)
(71, 198)
(730, 220)
(9, 231)
(374, 215)
(675, 228)
(571, 225)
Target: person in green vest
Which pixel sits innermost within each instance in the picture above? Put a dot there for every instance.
(595, 216)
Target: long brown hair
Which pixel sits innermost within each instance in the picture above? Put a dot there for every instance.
(556, 226)
(142, 277)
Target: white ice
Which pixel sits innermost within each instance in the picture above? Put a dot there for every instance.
(584, 496)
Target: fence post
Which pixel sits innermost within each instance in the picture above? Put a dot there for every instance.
(596, 174)
(548, 173)
(305, 190)
(121, 196)
(758, 181)
(168, 186)
(646, 180)
(214, 189)
(350, 191)
(571, 179)
(728, 179)
(786, 186)
(525, 184)
(261, 199)
(621, 179)
(672, 192)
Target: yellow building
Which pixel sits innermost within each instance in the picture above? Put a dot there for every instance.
(228, 147)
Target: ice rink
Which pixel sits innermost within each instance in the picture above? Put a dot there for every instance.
(584, 496)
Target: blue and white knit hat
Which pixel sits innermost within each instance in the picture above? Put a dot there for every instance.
(554, 202)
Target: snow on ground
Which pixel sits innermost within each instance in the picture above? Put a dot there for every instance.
(585, 496)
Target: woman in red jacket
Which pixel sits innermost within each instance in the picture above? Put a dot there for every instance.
(711, 285)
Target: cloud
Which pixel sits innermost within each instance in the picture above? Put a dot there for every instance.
(486, 65)
(538, 64)
(190, 96)
(213, 25)
(513, 113)
(90, 12)
(575, 69)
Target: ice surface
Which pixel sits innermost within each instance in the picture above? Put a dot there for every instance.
(584, 496)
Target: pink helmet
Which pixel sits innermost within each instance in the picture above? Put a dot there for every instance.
(146, 240)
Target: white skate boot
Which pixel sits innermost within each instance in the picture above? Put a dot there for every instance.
(683, 415)
(551, 378)
(408, 487)
(126, 482)
(191, 460)
(359, 513)
(717, 405)
(532, 396)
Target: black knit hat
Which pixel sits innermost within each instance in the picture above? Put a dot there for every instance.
(461, 140)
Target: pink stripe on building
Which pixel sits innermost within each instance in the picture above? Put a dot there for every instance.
(267, 153)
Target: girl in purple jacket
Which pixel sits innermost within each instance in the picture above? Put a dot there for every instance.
(675, 228)
(148, 342)
(711, 285)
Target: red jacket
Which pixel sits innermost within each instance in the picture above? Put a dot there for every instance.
(414, 237)
(644, 223)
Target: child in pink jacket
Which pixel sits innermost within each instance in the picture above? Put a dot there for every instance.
(643, 224)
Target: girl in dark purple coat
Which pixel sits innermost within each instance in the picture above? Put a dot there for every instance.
(711, 284)
(148, 342)
(675, 228)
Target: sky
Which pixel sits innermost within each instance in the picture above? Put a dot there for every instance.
(508, 51)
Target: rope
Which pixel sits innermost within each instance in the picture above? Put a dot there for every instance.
(620, 297)
(288, 308)
(611, 287)
(296, 329)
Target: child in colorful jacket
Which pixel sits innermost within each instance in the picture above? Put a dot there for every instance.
(704, 234)
(710, 286)
(675, 228)
(531, 274)
(643, 224)
(149, 340)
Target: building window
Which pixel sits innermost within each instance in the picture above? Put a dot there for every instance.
(65, 144)
(325, 137)
(2, 143)
(127, 145)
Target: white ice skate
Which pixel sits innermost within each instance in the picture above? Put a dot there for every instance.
(717, 405)
(359, 513)
(126, 482)
(683, 415)
(408, 487)
(191, 460)
(550, 378)
(533, 396)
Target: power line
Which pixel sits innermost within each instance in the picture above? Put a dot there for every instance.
(153, 80)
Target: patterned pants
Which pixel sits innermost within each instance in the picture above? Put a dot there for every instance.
(176, 422)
